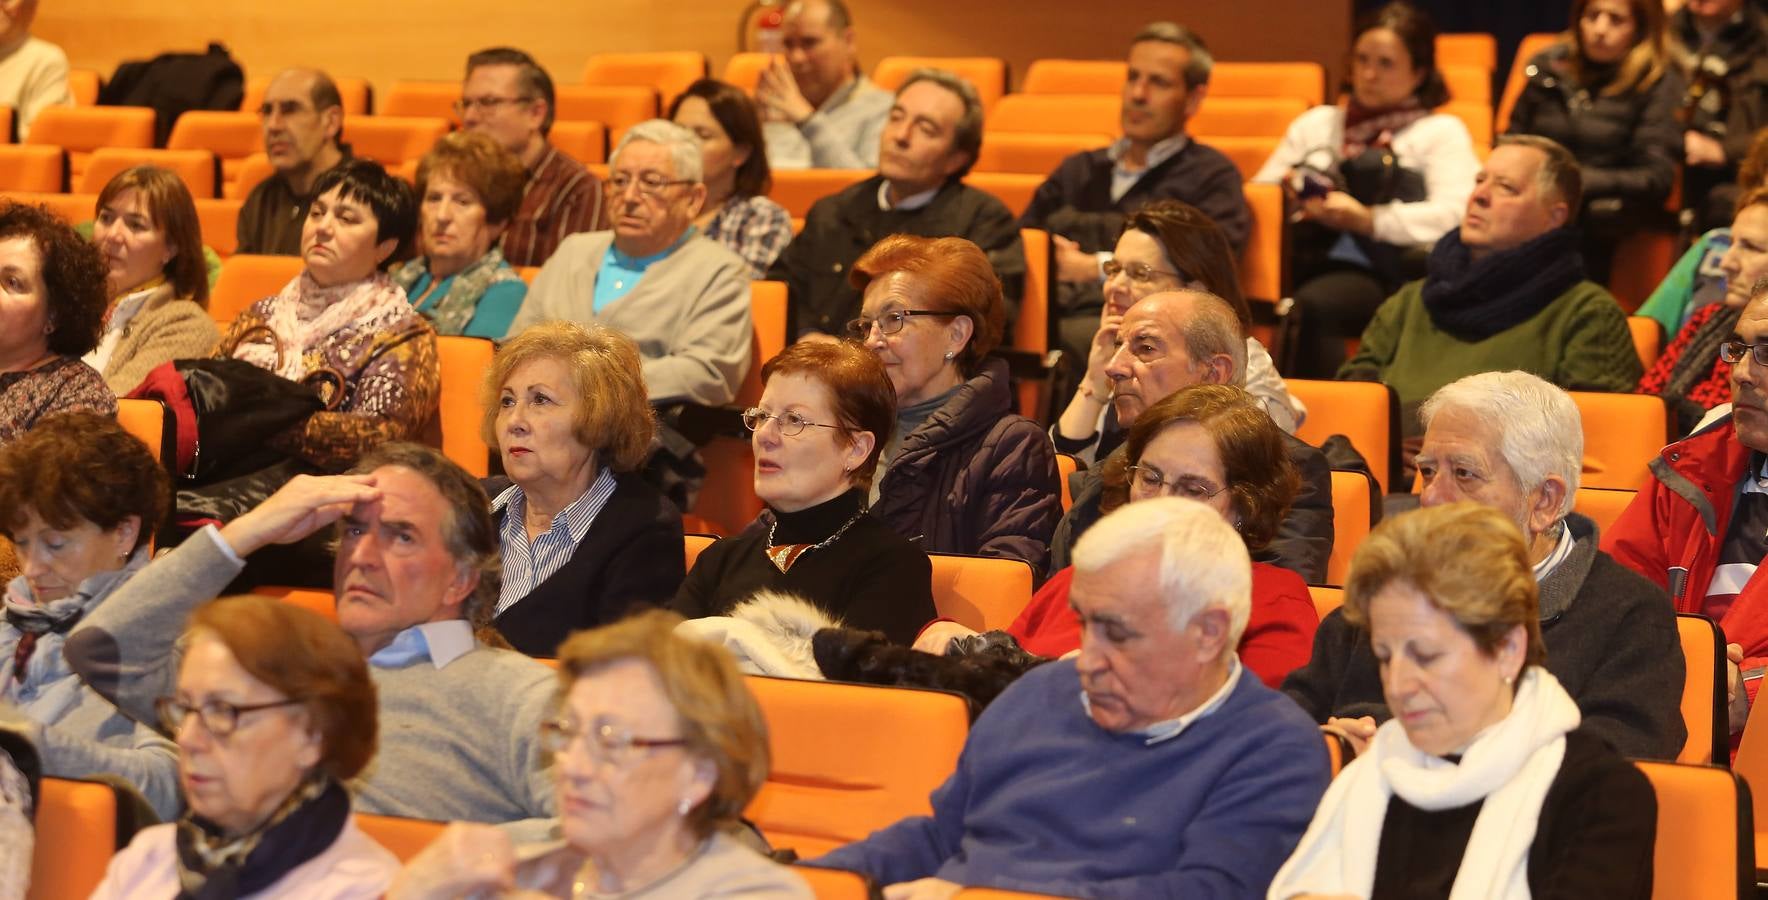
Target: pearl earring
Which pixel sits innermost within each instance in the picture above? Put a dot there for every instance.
(949, 354)
(683, 807)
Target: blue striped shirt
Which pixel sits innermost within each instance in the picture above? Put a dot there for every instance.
(528, 563)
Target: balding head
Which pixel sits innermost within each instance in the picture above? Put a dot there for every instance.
(1170, 341)
(301, 116)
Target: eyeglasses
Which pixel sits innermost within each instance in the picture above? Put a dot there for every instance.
(890, 323)
(467, 104)
(791, 424)
(218, 716)
(1732, 352)
(650, 184)
(606, 743)
(1152, 481)
(1140, 273)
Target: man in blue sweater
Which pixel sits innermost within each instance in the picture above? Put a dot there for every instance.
(1152, 765)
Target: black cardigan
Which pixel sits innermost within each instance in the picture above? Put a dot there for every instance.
(630, 558)
(1594, 837)
(871, 577)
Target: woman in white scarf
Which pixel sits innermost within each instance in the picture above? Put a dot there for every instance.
(1480, 787)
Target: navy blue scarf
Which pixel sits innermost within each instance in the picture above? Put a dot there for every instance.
(1475, 300)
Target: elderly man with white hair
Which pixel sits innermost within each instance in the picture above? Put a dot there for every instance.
(1153, 764)
(1511, 441)
(685, 302)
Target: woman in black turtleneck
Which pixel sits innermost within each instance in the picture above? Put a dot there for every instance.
(1608, 94)
(825, 412)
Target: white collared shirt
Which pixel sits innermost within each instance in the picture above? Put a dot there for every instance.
(909, 204)
(1124, 178)
(1172, 728)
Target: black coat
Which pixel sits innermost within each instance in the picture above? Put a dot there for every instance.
(630, 558)
(976, 478)
(1611, 641)
(842, 227)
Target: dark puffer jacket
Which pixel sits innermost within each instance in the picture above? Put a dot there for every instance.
(976, 477)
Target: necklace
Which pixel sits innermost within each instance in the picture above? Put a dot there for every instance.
(784, 556)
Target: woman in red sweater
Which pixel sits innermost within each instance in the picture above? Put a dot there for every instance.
(1213, 444)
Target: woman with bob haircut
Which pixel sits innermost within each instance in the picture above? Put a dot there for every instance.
(826, 410)
(156, 277)
(733, 153)
(53, 315)
(961, 471)
(468, 189)
(585, 538)
(1483, 784)
(273, 714)
(344, 327)
(1213, 444)
(658, 748)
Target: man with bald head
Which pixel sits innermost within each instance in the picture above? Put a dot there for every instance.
(820, 111)
(302, 117)
(1173, 340)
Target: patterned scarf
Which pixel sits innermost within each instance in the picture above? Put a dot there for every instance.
(451, 314)
(36, 622)
(215, 866)
(304, 316)
(1365, 128)
(1475, 300)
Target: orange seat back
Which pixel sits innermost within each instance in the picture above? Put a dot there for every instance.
(586, 142)
(616, 107)
(849, 759)
(1031, 331)
(1622, 435)
(32, 168)
(727, 497)
(1642, 259)
(355, 94)
(196, 168)
(146, 420)
(1467, 49)
(219, 220)
(82, 129)
(1066, 466)
(744, 70)
(1364, 411)
(1704, 848)
(1519, 74)
(667, 73)
(247, 278)
(982, 593)
(797, 189)
(404, 838)
(432, 99)
(71, 208)
(1075, 76)
(1261, 264)
(83, 86)
(1338, 752)
(1601, 505)
(229, 135)
(1032, 154)
(1056, 114)
(1477, 116)
(312, 599)
(1326, 599)
(80, 825)
(393, 140)
(1246, 116)
(1648, 338)
(693, 545)
(1247, 153)
(463, 362)
(1305, 81)
(1354, 500)
(252, 169)
(767, 316)
(988, 74)
(1014, 189)
(1468, 84)
(1703, 695)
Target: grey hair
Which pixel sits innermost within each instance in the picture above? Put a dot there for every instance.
(1202, 61)
(1538, 430)
(683, 146)
(967, 134)
(1214, 328)
(1559, 174)
(1202, 561)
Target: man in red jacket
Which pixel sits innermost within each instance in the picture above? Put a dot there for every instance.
(1700, 528)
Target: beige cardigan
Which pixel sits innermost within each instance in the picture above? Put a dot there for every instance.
(165, 329)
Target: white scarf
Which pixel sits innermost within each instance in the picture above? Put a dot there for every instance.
(304, 315)
(1510, 765)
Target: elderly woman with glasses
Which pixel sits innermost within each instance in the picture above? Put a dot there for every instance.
(658, 747)
(825, 412)
(685, 302)
(274, 712)
(962, 472)
(1210, 443)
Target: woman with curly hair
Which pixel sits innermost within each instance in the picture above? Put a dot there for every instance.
(52, 303)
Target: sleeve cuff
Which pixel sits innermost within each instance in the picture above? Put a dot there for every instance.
(222, 545)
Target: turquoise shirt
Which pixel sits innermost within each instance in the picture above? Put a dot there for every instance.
(619, 273)
(491, 317)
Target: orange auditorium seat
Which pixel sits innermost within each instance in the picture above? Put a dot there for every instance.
(988, 74)
(83, 86)
(196, 168)
(1602, 505)
(72, 208)
(1705, 848)
(1246, 116)
(1056, 114)
(1355, 498)
(32, 168)
(1012, 188)
(1075, 76)
(247, 278)
(318, 600)
(1478, 119)
(617, 107)
(1477, 50)
(1031, 330)
(1366, 412)
(145, 420)
(393, 140)
(356, 95)
(1261, 264)
(82, 129)
(433, 99)
(402, 837)
(1519, 74)
(231, 136)
(1305, 81)
(1247, 153)
(464, 362)
(668, 73)
(252, 169)
(1622, 435)
(1033, 154)
(1468, 84)
(80, 825)
(1326, 599)
(219, 220)
(983, 593)
(1648, 338)
(798, 189)
(7, 135)
(744, 70)
(586, 142)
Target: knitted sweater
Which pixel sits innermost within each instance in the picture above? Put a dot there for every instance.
(1045, 800)
(1579, 341)
(460, 742)
(167, 328)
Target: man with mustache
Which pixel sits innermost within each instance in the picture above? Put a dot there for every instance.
(1700, 527)
(930, 141)
(1083, 203)
(302, 116)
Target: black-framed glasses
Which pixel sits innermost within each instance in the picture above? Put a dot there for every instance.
(605, 741)
(218, 716)
(467, 104)
(1139, 272)
(1190, 487)
(650, 184)
(791, 424)
(891, 322)
(1732, 352)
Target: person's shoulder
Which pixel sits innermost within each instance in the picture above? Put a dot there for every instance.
(1591, 765)
(1273, 579)
(1590, 297)
(713, 257)
(732, 869)
(151, 855)
(1619, 586)
(1264, 714)
(1201, 159)
(45, 52)
(763, 207)
(582, 247)
(643, 501)
(508, 668)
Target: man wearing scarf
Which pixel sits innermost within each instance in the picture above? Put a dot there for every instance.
(1504, 291)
